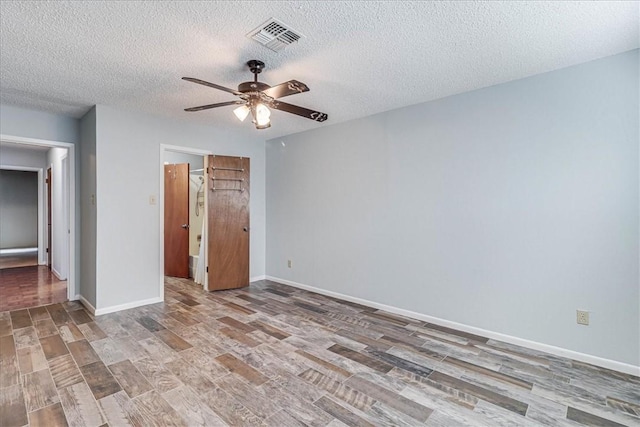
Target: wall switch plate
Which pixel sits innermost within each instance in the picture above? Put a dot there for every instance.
(289, 263)
(152, 199)
(582, 317)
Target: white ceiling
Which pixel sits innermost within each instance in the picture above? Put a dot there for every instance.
(358, 57)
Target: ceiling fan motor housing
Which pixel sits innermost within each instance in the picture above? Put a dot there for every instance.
(252, 87)
(255, 66)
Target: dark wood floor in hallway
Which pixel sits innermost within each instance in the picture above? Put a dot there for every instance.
(22, 259)
(279, 356)
(31, 286)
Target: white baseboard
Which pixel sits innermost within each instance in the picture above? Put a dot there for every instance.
(57, 274)
(534, 345)
(115, 308)
(12, 251)
(134, 304)
(90, 308)
(257, 278)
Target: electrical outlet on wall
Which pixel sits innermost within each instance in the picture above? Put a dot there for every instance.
(289, 263)
(582, 317)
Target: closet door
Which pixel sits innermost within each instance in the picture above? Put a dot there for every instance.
(228, 222)
(176, 220)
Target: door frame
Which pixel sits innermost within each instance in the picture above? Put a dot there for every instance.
(72, 295)
(49, 205)
(64, 163)
(164, 148)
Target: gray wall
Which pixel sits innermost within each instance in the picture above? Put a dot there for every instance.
(128, 171)
(59, 211)
(18, 209)
(88, 218)
(195, 161)
(16, 155)
(506, 208)
(17, 121)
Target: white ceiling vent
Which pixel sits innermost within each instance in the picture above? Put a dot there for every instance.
(275, 35)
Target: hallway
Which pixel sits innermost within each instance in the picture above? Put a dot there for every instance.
(31, 286)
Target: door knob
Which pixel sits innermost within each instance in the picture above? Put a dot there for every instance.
(185, 226)
(245, 229)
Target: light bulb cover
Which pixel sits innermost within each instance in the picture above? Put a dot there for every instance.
(263, 121)
(262, 116)
(241, 112)
(262, 112)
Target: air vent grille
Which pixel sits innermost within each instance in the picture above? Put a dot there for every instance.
(275, 35)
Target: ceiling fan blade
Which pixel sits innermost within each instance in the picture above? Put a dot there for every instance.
(220, 104)
(300, 111)
(285, 89)
(213, 85)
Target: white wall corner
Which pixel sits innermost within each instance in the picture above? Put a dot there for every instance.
(533, 345)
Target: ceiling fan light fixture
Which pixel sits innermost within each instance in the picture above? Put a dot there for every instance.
(262, 113)
(257, 97)
(241, 112)
(263, 123)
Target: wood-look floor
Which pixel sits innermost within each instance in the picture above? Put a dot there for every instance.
(274, 355)
(27, 259)
(32, 286)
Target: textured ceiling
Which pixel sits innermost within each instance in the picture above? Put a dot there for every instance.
(358, 57)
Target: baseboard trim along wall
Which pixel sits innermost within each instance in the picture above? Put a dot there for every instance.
(533, 345)
(57, 274)
(90, 308)
(12, 251)
(114, 308)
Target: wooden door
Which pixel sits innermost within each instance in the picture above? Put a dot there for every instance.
(176, 220)
(228, 222)
(49, 245)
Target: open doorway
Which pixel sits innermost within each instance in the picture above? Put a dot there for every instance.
(33, 285)
(184, 211)
(217, 196)
(18, 218)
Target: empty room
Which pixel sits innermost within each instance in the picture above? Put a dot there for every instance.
(320, 213)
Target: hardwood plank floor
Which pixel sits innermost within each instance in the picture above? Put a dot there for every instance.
(25, 259)
(274, 355)
(31, 286)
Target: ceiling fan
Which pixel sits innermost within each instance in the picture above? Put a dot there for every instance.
(257, 97)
